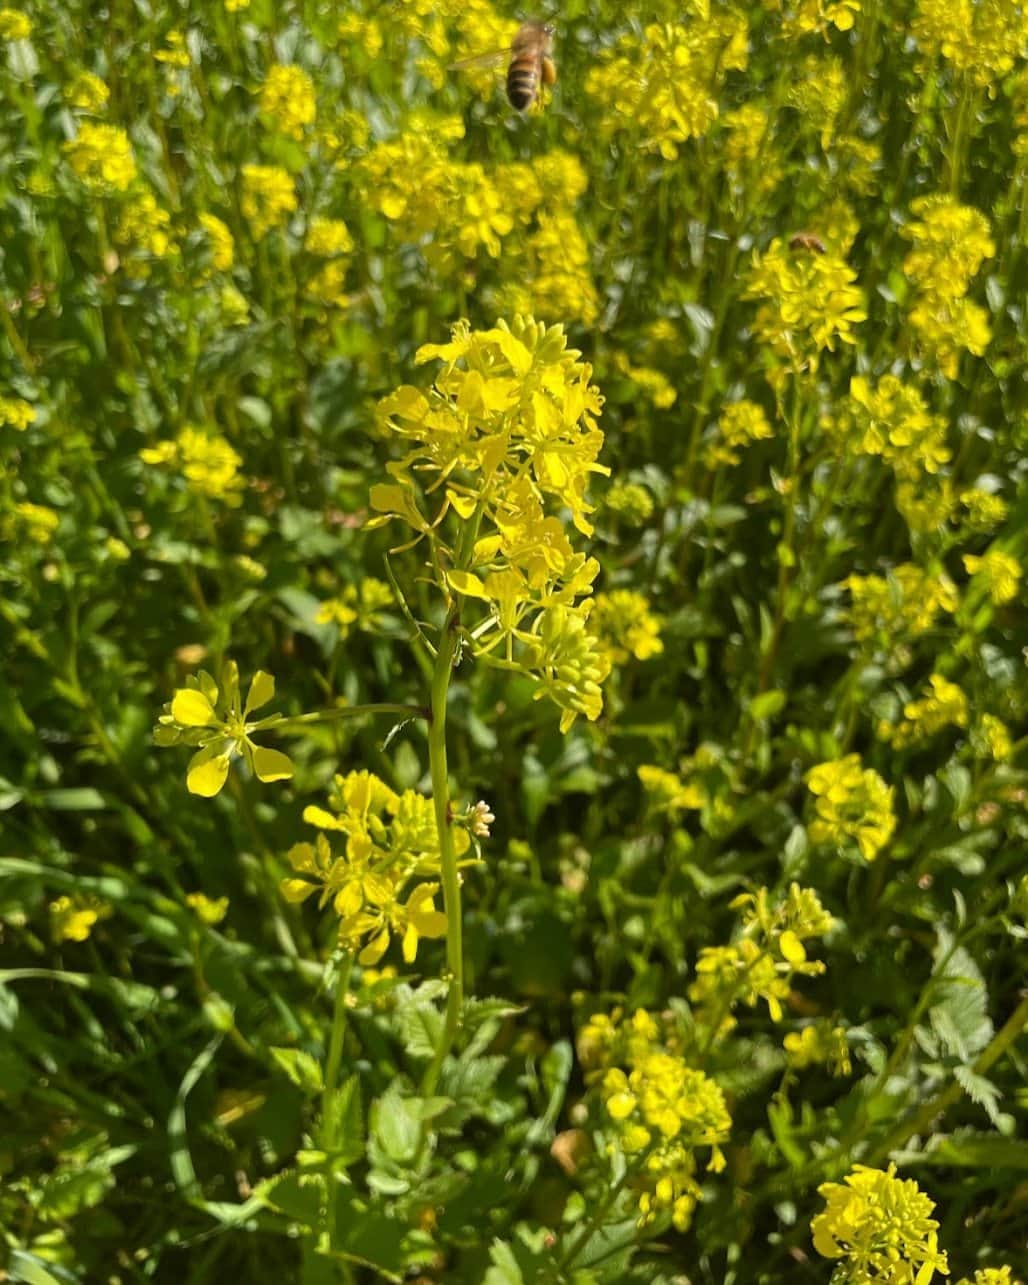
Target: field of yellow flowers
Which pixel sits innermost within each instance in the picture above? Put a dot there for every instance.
(514, 699)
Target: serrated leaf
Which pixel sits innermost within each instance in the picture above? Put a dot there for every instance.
(396, 1124)
(343, 1124)
(303, 1069)
(980, 1090)
(477, 1011)
(420, 1026)
(959, 1013)
(504, 1269)
(298, 1197)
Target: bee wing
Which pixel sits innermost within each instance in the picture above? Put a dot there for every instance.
(491, 59)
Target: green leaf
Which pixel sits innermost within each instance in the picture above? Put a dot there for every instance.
(980, 1090)
(420, 1026)
(303, 1069)
(767, 705)
(343, 1125)
(959, 1013)
(969, 1149)
(298, 1196)
(504, 1269)
(396, 1124)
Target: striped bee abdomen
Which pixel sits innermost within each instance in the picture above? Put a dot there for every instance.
(523, 82)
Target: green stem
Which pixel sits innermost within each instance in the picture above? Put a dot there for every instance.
(594, 1223)
(337, 712)
(447, 853)
(922, 1119)
(335, 1041)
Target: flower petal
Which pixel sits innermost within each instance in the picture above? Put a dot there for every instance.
(262, 690)
(271, 765)
(207, 771)
(191, 708)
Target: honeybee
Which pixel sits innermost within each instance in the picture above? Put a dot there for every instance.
(807, 241)
(531, 63)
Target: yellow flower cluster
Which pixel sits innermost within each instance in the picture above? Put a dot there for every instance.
(808, 302)
(819, 90)
(209, 910)
(662, 1109)
(762, 961)
(949, 243)
(376, 885)
(357, 604)
(222, 246)
(991, 1276)
(175, 54)
(985, 509)
(288, 103)
(328, 238)
(208, 463)
(819, 1044)
(268, 199)
(14, 25)
(881, 1226)
(818, 15)
(624, 626)
(88, 93)
(997, 573)
(16, 413)
(508, 431)
(852, 804)
(663, 85)
(74, 918)
(629, 500)
(739, 423)
(905, 603)
(667, 791)
(216, 720)
(943, 705)
(991, 738)
(890, 419)
(37, 522)
(101, 156)
(145, 227)
(980, 39)
(556, 282)
(653, 383)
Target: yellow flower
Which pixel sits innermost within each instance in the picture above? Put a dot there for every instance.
(943, 705)
(144, 226)
(361, 604)
(979, 38)
(950, 242)
(14, 25)
(560, 284)
(906, 603)
(38, 521)
(819, 91)
(629, 500)
(624, 626)
(663, 86)
(88, 93)
(175, 54)
(73, 918)
(328, 238)
(269, 197)
(16, 413)
(998, 573)
(222, 246)
(992, 739)
(852, 803)
(101, 155)
(819, 1044)
(892, 420)
(668, 791)
(882, 1225)
(208, 463)
(809, 302)
(985, 509)
(287, 102)
(215, 719)
(991, 1276)
(209, 911)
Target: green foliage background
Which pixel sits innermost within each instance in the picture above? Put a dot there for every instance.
(152, 1076)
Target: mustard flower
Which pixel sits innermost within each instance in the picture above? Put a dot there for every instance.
(808, 302)
(561, 177)
(510, 429)
(214, 719)
(287, 101)
(16, 413)
(852, 804)
(624, 625)
(950, 243)
(219, 239)
(269, 197)
(208, 463)
(629, 500)
(653, 383)
(74, 918)
(925, 507)
(391, 843)
(891, 419)
(997, 572)
(38, 522)
(980, 39)
(357, 604)
(661, 1110)
(985, 509)
(328, 285)
(101, 156)
(88, 93)
(668, 792)
(819, 15)
(210, 911)
(328, 238)
(662, 86)
(144, 226)
(819, 1044)
(761, 963)
(990, 1276)
(943, 705)
(560, 284)
(818, 91)
(991, 738)
(14, 25)
(175, 53)
(906, 603)
(881, 1226)
(362, 33)
(947, 328)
